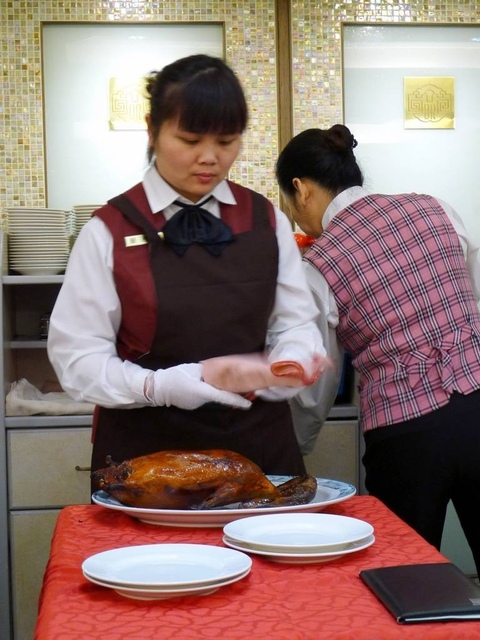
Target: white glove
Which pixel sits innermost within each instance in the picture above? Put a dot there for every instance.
(183, 387)
(276, 394)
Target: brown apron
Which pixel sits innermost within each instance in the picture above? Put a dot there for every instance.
(207, 306)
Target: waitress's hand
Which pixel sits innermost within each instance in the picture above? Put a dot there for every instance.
(183, 387)
(307, 371)
(246, 373)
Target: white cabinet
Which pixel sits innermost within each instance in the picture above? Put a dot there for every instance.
(45, 473)
(44, 459)
(31, 533)
(335, 454)
(48, 467)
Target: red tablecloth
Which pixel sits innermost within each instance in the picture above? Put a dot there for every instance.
(274, 602)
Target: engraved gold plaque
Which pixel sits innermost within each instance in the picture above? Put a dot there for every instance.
(429, 102)
(128, 104)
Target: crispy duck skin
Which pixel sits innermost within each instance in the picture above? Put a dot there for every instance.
(178, 479)
(298, 490)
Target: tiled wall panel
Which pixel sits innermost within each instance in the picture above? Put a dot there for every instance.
(250, 49)
(317, 48)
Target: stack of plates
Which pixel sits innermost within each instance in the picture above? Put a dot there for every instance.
(299, 537)
(82, 214)
(38, 240)
(160, 571)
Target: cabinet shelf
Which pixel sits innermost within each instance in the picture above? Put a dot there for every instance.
(343, 412)
(32, 279)
(27, 422)
(41, 456)
(26, 343)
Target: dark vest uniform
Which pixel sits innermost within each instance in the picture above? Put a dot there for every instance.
(185, 309)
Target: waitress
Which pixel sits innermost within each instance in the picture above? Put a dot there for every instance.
(399, 282)
(183, 267)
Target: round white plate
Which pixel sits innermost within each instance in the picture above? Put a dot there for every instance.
(159, 593)
(39, 247)
(166, 565)
(22, 241)
(40, 271)
(86, 206)
(37, 236)
(298, 532)
(328, 492)
(170, 588)
(39, 210)
(303, 558)
(36, 223)
(24, 221)
(51, 257)
(38, 261)
(41, 250)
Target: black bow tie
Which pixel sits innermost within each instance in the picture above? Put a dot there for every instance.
(194, 224)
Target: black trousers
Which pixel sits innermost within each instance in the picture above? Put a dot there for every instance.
(417, 466)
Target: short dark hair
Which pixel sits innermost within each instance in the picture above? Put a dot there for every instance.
(201, 92)
(324, 156)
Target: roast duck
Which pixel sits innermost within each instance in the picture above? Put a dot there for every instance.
(178, 479)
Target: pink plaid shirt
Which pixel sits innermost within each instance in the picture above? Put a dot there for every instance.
(406, 308)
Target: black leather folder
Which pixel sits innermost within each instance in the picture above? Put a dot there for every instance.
(425, 592)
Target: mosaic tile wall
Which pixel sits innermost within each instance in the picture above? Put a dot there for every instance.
(250, 49)
(316, 46)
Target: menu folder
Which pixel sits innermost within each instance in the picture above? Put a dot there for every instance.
(425, 592)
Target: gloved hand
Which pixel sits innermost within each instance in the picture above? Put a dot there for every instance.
(183, 387)
(276, 394)
(308, 372)
(245, 373)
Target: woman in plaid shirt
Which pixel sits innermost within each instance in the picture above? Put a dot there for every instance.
(397, 282)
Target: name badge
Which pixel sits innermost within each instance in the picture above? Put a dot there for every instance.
(135, 241)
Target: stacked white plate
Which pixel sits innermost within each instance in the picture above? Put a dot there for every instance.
(38, 240)
(299, 537)
(160, 571)
(82, 214)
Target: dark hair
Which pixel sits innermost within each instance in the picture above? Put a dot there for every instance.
(324, 156)
(202, 92)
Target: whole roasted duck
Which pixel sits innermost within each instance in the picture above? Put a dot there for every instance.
(206, 479)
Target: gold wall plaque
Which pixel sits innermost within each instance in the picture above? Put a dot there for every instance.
(127, 104)
(429, 102)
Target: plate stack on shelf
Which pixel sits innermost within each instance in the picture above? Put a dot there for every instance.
(38, 240)
(299, 538)
(160, 571)
(82, 214)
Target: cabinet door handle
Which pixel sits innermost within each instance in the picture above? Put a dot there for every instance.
(79, 468)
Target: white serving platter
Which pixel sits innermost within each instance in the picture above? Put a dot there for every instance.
(328, 492)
